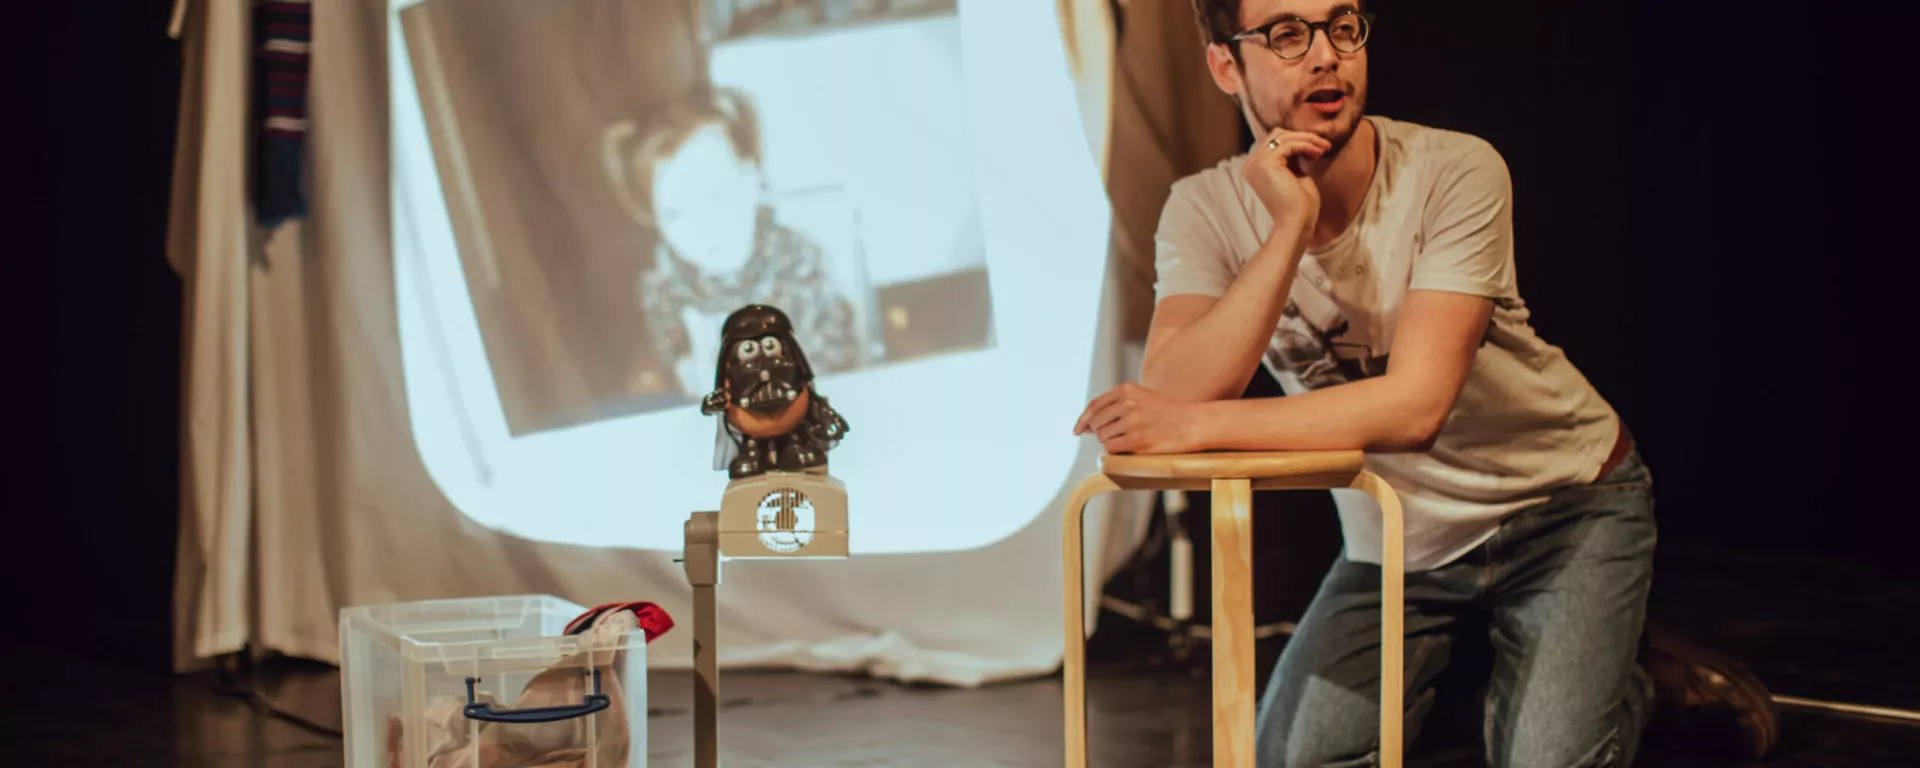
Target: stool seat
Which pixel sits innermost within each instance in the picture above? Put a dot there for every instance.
(1248, 465)
(1232, 477)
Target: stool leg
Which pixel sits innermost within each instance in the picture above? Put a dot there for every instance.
(1233, 701)
(1393, 614)
(1073, 611)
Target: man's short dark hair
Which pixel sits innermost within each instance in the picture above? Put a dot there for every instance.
(1220, 19)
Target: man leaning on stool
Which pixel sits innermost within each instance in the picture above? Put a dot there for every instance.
(1369, 263)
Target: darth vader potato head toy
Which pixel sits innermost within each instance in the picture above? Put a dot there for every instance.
(771, 417)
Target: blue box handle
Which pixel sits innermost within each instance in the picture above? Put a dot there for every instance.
(594, 702)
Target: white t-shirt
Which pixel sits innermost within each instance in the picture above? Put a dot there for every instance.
(1437, 216)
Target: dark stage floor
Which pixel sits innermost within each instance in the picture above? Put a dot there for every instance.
(1793, 620)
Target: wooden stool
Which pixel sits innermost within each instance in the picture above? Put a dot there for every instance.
(1233, 477)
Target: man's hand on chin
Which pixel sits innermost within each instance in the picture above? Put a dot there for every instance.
(1133, 419)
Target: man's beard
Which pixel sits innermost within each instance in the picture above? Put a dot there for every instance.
(1339, 140)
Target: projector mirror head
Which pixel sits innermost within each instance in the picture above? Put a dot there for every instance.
(771, 419)
(784, 515)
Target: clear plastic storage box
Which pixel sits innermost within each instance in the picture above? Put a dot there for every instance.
(490, 683)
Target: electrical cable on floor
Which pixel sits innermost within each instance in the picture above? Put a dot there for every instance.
(223, 684)
(861, 692)
(1906, 716)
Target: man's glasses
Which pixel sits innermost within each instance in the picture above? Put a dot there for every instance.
(1291, 38)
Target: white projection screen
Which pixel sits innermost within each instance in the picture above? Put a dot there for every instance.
(584, 188)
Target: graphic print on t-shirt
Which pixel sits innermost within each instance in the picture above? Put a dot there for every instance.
(1327, 352)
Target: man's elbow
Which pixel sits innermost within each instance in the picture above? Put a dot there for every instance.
(1406, 441)
(1424, 439)
(1417, 431)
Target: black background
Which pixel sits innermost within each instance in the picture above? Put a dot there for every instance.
(1679, 173)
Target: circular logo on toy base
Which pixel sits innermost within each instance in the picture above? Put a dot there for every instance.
(785, 520)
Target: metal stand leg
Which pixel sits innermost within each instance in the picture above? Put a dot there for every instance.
(1183, 636)
(702, 561)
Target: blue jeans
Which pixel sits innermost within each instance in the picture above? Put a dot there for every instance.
(1559, 594)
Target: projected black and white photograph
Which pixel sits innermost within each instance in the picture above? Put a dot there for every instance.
(739, 18)
(621, 174)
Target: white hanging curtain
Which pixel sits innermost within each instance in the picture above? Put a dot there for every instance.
(302, 492)
(1087, 32)
(209, 244)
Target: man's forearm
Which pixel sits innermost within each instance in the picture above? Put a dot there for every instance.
(1215, 357)
(1380, 415)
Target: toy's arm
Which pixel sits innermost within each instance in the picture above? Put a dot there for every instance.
(826, 423)
(714, 402)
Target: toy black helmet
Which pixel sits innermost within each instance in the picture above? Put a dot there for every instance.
(752, 323)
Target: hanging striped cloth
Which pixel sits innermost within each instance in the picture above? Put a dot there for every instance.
(284, 30)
